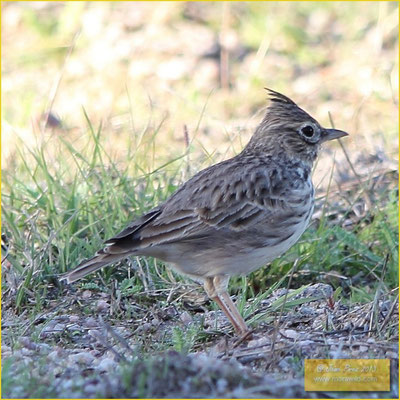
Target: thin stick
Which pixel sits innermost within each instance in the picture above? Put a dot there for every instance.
(54, 90)
(368, 198)
(390, 313)
(375, 303)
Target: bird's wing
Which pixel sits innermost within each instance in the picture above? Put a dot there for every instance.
(211, 201)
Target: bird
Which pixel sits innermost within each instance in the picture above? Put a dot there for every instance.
(234, 216)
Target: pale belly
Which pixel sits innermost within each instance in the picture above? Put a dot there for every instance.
(243, 263)
(236, 260)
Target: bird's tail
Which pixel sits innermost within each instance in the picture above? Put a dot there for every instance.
(91, 265)
(117, 248)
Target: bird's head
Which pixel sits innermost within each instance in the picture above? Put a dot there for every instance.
(288, 129)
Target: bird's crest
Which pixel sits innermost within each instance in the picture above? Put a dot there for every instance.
(279, 97)
(281, 108)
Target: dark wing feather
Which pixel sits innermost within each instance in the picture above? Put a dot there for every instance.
(136, 225)
(116, 249)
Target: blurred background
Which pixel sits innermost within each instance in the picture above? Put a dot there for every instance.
(139, 66)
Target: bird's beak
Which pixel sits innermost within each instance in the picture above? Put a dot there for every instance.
(330, 134)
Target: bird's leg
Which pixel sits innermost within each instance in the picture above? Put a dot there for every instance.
(235, 314)
(216, 289)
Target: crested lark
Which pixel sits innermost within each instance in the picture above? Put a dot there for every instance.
(235, 216)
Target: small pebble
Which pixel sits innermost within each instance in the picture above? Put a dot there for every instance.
(86, 294)
(95, 333)
(146, 327)
(186, 318)
(285, 363)
(222, 384)
(392, 355)
(107, 364)
(363, 348)
(26, 352)
(17, 355)
(66, 385)
(336, 354)
(306, 342)
(50, 325)
(43, 348)
(5, 348)
(74, 318)
(6, 351)
(28, 344)
(305, 310)
(290, 333)
(259, 342)
(102, 305)
(82, 358)
(58, 370)
(109, 354)
(91, 323)
(59, 328)
(91, 388)
(56, 355)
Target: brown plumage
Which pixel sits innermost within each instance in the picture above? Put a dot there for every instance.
(234, 216)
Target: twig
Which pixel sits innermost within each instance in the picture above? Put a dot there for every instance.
(367, 196)
(116, 335)
(99, 337)
(186, 140)
(378, 292)
(56, 85)
(388, 316)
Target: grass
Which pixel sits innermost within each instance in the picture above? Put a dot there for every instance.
(50, 212)
(57, 213)
(130, 136)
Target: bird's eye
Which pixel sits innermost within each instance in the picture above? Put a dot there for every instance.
(310, 133)
(307, 131)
